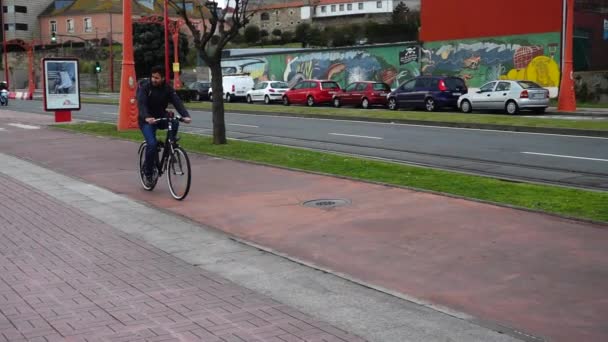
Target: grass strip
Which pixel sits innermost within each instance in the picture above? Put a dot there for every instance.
(552, 199)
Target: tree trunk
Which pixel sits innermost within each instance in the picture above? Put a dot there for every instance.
(217, 108)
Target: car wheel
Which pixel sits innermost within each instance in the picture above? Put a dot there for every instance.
(310, 101)
(392, 104)
(249, 100)
(286, 100)
(266, 99)
(337, 103)
(465, 106)
(540, 110)
(429, 104)
(511, 107)
(365, 103)
(228, 97)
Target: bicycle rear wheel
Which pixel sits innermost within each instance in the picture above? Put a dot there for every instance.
(178, 174)
(142, 177)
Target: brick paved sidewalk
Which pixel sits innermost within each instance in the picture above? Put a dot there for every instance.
(65, 276)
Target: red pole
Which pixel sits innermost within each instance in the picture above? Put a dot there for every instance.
(166, 24)
(4, 45)
(111, 56)
(127, 108)
(566, 101)
(31, 83)
(176, 81)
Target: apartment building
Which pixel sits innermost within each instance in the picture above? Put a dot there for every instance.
(20, 18)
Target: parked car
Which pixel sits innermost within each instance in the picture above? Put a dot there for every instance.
(510, 96)
(364, 94)
(311, 92)
(235, 87)
(202, 88)
(428, 92)
(267, 91)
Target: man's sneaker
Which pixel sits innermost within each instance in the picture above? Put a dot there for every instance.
(148, 181)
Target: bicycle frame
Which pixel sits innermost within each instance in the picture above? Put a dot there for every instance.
(168, 148)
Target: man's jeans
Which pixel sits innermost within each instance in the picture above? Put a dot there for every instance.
(149, 132)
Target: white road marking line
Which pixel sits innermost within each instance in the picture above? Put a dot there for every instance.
(563, 156)
(422, 126)
(356, 136)
(24, 126)
(2, 129)
(253, 126)
(111, 113)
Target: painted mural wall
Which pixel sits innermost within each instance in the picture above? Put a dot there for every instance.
(392, 64)
(534, 57)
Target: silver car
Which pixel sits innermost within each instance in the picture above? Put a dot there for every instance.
(510, 96)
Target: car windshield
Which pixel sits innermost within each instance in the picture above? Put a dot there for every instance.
(329, 85)
(382, 87)
(528, 84)
(279, 85)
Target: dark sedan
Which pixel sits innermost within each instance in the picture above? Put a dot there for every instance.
(202, 89)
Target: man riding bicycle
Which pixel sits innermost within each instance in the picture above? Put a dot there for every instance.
(153, 97)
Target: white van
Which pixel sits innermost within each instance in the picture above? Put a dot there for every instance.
(235, 87)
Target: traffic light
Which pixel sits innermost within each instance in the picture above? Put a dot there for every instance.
(53, 37)
(97, 67)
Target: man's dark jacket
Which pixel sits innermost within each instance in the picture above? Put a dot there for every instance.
(153, 101)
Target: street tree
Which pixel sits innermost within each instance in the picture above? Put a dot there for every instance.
(148, 39)
(302, 33)
(252, 34)
(212, 28)
(400, 12)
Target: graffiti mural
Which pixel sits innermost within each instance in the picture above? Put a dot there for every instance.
(392, 64)
(534, 57)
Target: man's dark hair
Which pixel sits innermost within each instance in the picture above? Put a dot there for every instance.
(158, 69)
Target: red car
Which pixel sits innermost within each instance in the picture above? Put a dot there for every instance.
(311, 92)
(364, 94)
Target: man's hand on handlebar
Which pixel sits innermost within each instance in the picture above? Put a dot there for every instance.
(151, 121)
(186, 120)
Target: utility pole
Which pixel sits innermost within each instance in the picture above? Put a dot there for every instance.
(111, 68)
(4, 44)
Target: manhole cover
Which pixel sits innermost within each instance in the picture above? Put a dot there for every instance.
(326, 203)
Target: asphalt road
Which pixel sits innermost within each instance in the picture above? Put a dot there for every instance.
(558, 159)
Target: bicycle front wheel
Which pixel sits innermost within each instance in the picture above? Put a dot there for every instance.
(178, 174)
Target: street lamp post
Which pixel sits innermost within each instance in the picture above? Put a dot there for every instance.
(127, 110)
(4, 44)
(566, 101)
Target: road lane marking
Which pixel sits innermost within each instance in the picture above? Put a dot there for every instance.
(111, 113)
(563, 156)
(356, 136)
(2, 129)
(24, 126)
(241, 125)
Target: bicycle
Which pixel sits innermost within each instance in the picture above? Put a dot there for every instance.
(174, 161)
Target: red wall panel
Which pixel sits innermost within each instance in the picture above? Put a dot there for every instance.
(448, 19)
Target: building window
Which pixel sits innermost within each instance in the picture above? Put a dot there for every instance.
(265, 16)
(53, 26)
(360, 5)
(341, 7)
(291, 12)
(378, 4)
(323, 9)
(9, 27)
(333, 8)
(70, 25)
(349, 7)
(292, 23)
(278, 23)
(88, 25)
(21, 27)
(20, 9)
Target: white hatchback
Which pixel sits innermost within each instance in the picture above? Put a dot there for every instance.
(510, 96)
(267, 91)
